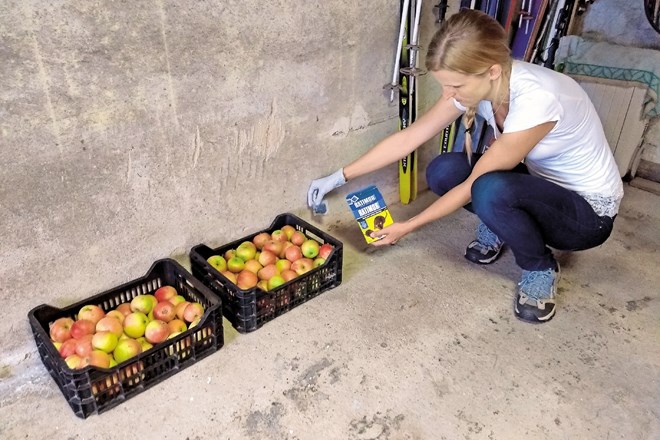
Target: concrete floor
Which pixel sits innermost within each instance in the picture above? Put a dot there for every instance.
(417, 343)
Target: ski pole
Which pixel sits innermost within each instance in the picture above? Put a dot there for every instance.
(397, 56)
(413, 71)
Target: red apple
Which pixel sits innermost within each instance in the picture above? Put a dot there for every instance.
(230, 276)
(177, 326)
(293, 253)
(310, 248)
(267, 272)
(267, 257)
(60, 330)
(246, 280)
(165, 293)
(288, 274)
(135, 324)
(96, 358)
(288, 230)
(116, 314)
(228, 255)
(81, 328)
(325, 250)
(164, 311)
(179, 309)
(260, 239)
(246, 250)
(124, 309)
(302, 266)
(91, 312)
(273, 246)
(110, 324)
(253, 266)
(157, 331)
(192, 312)
(279, 236)
(217, 262)
(68, 347)
(298, 238)
(126, 349)
(84, 346)
(286, 245)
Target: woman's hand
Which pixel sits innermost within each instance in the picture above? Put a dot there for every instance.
(391, 234)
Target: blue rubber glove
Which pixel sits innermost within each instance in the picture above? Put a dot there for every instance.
(320, 187)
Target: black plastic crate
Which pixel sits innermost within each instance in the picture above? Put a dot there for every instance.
(91, 390)
(249, 309)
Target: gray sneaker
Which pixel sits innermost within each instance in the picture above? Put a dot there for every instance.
(535, 299)
(486, 248)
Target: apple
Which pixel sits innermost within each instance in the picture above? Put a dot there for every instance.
(310, 248)
(318, 261)
(177, 326)
(325, 250)
(302, 266)
(279, 236)
(263, 285)
(267, 257)
(298, 238)
(180, 308)
(68, 347)
(135, 324)
(273, 246)
(275, 282)
(110, 324)
(235, 264)
(193, 311)
(91, 312)
(260, 239)
(105, 341)
(246, 250)
(84, 346)
(228, 255)
(288, 230)
(230, 276)
(288, 274)
(253, 265)
(246, 280)
(126, 349)
(164, 311)
(119, 316)
(267, 272)
(195, 323)
(96, 358)
(81, 328)
(142, 303)
(286, 245)
(144, 344)
(217, 262)
(60, 329)
(293, 253)
(73, 361)
(124, 309)
(156, 331)
(165, 292)
(283, 265)
(177, 299)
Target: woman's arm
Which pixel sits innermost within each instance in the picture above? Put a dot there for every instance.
(505, 153)
(403, 142)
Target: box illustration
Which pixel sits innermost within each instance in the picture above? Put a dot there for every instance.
(370, 211)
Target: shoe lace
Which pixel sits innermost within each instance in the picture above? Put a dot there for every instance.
(487, 238)
(537, 284)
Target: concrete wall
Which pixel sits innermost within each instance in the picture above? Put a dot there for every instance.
(624, 22)
(133, 130)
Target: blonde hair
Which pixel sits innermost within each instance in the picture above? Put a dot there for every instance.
(470, 42)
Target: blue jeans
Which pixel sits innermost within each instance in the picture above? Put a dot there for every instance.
(528, 213)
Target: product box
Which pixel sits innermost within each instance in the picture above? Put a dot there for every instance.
(370, 211)
(248, 310)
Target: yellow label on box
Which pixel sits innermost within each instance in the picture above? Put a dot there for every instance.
(370, 211)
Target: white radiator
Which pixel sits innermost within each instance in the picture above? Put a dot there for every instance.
(619, 107)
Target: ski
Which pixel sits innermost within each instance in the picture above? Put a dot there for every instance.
(405, 164)
(448, 133)
(529, 22)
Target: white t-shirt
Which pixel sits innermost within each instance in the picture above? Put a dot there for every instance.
(575, 154)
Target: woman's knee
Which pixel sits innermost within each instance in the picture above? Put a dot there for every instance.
(490, 189)
(446, 171)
